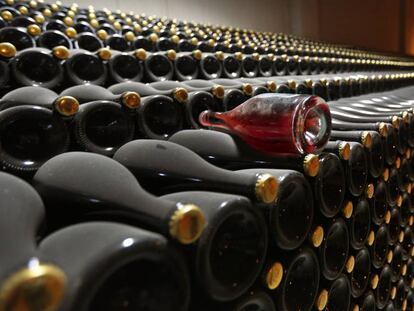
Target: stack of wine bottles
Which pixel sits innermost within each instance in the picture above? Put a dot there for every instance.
(152, 164)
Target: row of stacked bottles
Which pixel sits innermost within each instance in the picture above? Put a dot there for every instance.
(155, 164)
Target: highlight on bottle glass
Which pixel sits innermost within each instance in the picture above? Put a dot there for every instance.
(277, 123)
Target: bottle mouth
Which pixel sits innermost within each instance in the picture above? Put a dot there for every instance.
(361, 272)
(30, 135)
(143, 284)
(361, 223)
(339, 294)
(159, 66)
(357, 167)
(334, 251)
(197, 104)
(292, 215)
(40, 287)
(187, 223)
(18, 38)
(125, 67)
(232, 66)
(238, 243)
(104, 127)
(162, 117)
(330, 184)
(249, 67)
(37, 68)
(312, 125)
(86, 67)
(265, 67)
(300, 284)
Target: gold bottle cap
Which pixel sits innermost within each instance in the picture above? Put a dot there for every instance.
(219, 55)
(238, 56)
(355, 308)
(401, 236)
(131, 100)
(393, 292)
(350, 264)
(71, 32)
(23, 10)
(404, 270)
(197, 54)
(194, 41)
(217, 91)
(406, 117)
(187, 223)
(102, 34)
(412, 283)
(117, 25)
(366, 139)
(370, 191)
(6, 15)
(67, 105)
(317, 236)
(271, 86)
(399, 200)
(34, 30)
(153, 38)
(39, 287)
(71, 14)
(7, 50)
(386, 174)
(266, 188)
(40, 19)
(322, 300)
(395, 121)
(129, 36)
(292, 84)
(274, 275)
(387, 217)
(33, 4)
(374, 281)
(141, 54)
(407, 154)
(68, 21)
(344, 150)
(60, 52)
(411, 220)
(247, 89)
(404, 304)
(104, 53)
(9, 2)
(311, 165)
(47, 13)
(95, 24)
(397, 162)
(390, 256)
(371, 238)
(348, 209)
(383, 129)
(171, 54)
(180, 94)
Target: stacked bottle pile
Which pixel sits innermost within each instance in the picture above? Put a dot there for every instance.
(153, 164)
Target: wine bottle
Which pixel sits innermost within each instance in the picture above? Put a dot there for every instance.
(290, 217)
(87, 41)
(265, 65)
(53, 38)
(159, 177)
(405, 209)
(197, 102)
(124, 67)
(382, 290)
(22, 272)
(380, 246)
(404, 172)
(38, 67)
(360, 224)
(18, 37)
(333, 252)
(399, 294)
(280, 65)
(378, 202)
(365, 303)
(294, 278)
(339, 295)
(232, 153)
(158, 66)
(311, 135)
(112, 255)
(185, 66)
(359, 277)
(84, 67)
(231, 64)
(396, 263)
(236, 240)
(249, 65)
(394, 225)
(210, 66)
(69, 177)
(393, 188)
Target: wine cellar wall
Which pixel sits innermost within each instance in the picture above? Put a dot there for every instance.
(153, 164)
